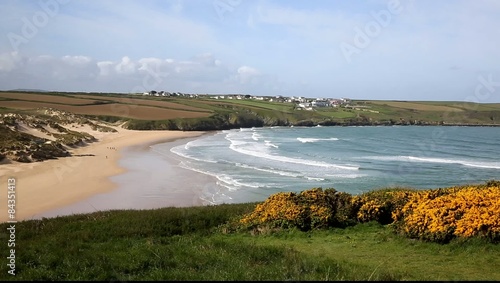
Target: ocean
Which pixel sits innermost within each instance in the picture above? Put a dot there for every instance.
(249, 165)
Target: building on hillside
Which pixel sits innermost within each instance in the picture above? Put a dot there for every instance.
(319, 103)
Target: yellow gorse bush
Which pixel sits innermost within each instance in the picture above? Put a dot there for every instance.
(455, 212)
(382, 205)
(280, 206)
(435, 215)
(369, 210)
(308, 209)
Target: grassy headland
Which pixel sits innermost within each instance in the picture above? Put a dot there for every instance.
(201, 113)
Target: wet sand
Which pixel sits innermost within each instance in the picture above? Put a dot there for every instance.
(151, 180)
(54, 184)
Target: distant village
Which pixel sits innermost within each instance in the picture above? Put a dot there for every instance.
(301, 103)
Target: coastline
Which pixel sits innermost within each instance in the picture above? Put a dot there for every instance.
(53, 184)
(151, 180)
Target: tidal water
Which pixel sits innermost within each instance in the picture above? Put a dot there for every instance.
(251, 164)
(247, 165)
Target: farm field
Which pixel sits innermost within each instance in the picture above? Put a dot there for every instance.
(276, 106)
(115, 109)
(417, 106)
(441, 112)
(146, 112)
(59, 99)
(147, 102)
(97, 105)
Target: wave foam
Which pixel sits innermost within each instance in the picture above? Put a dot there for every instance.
(468, 163)
(486, 165)
(311, 140)
(289, 159)
(177, 150)
(256, 136)
(226, 181)
(270, 144)
(272, 170)
(314, 179)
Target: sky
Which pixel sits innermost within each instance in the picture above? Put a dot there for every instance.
(373, 49)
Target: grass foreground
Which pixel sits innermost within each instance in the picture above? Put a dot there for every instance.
(192, 244)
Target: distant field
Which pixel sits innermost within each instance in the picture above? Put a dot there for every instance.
(120, 110)
(47, 98)
(126, 107)
(337, 113)
(286, 107)
(417, 106)
(256, 106)
(149, 108)
(478, 107)
(138, 101)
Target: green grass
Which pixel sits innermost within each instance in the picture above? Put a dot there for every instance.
(339, 113)
(371, 245)
(188, 244)
(471, 113)
(275, 106)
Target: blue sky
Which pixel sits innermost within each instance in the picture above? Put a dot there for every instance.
(387, 49)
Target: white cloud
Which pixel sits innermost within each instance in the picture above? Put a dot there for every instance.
(247, 74)
(202, 74)
(126, 66)
(76, 60)
(105, 68)
(9, 61)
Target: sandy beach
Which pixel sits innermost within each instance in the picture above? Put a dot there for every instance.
(52, 184)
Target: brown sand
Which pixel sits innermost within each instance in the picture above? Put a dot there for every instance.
(43, 186)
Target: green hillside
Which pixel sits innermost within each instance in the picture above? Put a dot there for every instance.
(204, 113)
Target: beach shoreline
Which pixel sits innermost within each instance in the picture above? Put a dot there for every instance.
(151, 180)
(53, 184)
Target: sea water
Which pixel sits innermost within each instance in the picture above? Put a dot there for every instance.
(251, 164)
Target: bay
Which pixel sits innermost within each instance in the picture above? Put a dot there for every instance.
(251, 164)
